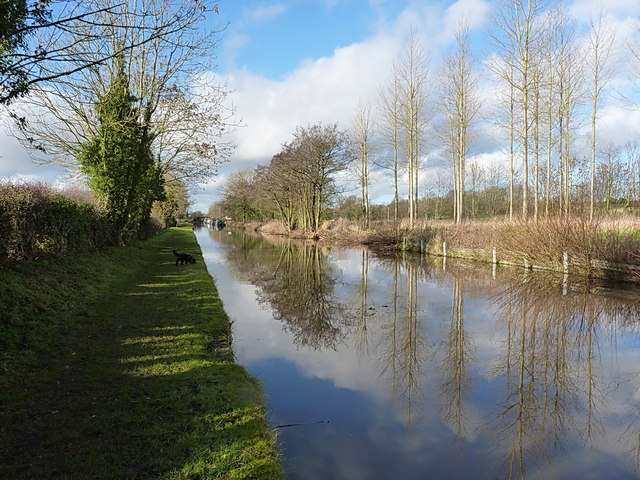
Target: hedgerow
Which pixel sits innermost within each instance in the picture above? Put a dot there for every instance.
(36, 222)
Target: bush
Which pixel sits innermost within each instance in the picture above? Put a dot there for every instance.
(544, 242)
(274, 227)
(36, 223)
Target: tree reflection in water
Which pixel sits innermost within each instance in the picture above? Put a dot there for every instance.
(546, 357)
(403, 351)
(551, 360)
(297, 282)
(456, 358)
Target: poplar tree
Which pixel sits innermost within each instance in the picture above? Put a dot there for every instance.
(362, 133)
(600, 43)
(517, 34)
(461, 104)
(390, 108)
(412, 82)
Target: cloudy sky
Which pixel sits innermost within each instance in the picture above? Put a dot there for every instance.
(292, 63)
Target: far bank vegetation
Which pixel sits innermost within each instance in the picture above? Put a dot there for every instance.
(555, 184)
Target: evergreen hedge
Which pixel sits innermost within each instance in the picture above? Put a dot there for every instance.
(35, 222)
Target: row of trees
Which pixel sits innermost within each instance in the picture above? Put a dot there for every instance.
(298, 184)
(616, 187)
(118, 92)
(548, 79)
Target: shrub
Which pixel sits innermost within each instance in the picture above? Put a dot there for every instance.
(585, 239)
(35, 223)
(274, 227)
(544, 242)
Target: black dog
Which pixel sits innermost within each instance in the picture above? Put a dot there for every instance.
(184, 258)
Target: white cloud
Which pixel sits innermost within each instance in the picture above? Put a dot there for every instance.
(471, 12)
(327, 90)
(584, 10)
(265, 14)
(618, 125)
(16, 164)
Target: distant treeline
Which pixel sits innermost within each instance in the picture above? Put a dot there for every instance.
(487, 203)
(246, 202)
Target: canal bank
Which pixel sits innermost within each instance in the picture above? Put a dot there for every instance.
(577, 246)
(117, 364)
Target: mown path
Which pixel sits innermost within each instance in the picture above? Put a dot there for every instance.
(116, 365)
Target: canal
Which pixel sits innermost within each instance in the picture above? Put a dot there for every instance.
(413, 368)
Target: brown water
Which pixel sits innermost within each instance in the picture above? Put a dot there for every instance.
(405, 368)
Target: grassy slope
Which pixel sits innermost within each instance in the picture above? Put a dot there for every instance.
(116, 365)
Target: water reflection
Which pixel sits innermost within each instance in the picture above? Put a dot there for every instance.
(456, 360)
(422, 371)
(297, 283)
(402, 348)
(555, 388)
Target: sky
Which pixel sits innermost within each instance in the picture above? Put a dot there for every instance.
(291, 63)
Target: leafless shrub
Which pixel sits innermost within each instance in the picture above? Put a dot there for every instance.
(389, 236)
(274, 228)
(584, 239)
(473, 234)
(79, 194)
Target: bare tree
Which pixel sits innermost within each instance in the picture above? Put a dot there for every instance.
(632, 152)
(389, 127)
(45, 41)
(317, 153)
(477, 173)
(517, 37)
(512, 123)
(412, 71)
(554, 20)
(461, 105)
(611, 154)
(598, 63)
(239, 195)
(537, 92)
(569, 80)
(23, 55)
(362, 134)
(166, 45)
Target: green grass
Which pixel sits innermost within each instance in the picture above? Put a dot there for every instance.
(117, 365)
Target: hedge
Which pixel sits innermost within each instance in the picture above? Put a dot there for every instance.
(35, 223)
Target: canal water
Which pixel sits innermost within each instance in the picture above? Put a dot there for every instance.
(414, 368)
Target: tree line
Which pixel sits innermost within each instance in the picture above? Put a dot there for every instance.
(117, 91)
(548, 79)
(299, 182)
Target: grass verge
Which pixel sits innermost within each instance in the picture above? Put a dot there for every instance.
(117, 365)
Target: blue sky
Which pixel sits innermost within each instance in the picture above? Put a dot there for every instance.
(273, 39)
(290, 63)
